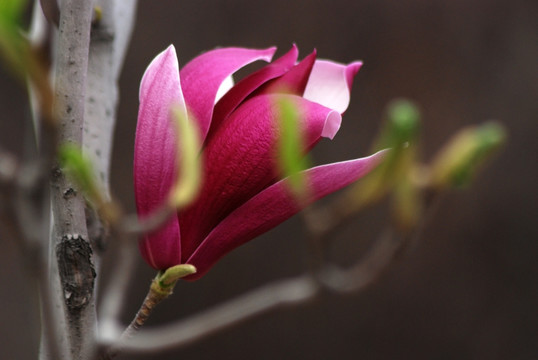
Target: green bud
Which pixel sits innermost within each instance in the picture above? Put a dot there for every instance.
(79, 168)
(462, 157)
(166, 280)
(398, 134)
(402, 125)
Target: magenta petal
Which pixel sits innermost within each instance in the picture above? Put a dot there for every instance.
(155, 152)
(162, 249)
(202, 77)
(272, 206)
(246, 86)
(240, 160)
(294, 81)
(330, 84)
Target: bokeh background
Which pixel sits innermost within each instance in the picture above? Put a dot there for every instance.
(467, 290)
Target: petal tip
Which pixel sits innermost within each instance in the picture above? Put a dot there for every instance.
(269, 53)
(332, 124)
(352, 70)
(165, 64)
(171, 48)
(355, 66)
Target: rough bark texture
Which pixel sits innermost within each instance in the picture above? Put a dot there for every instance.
(86, 95)
(76, 271)
(69, 235)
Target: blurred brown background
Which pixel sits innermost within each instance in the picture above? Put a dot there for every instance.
(467, 291)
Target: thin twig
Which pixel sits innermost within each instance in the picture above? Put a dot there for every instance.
(281, 294)
(154, 297)
(381, 255)
(116, 291)
(33, 253)
(135, 227)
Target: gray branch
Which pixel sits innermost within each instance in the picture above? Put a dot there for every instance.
(285, 293)
(273, 296)
(69, 240)
(110, 38)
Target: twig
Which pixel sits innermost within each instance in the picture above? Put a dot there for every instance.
(281, 294)
(135, 227)
(284, 293)
(52, 345)
(371, 268)
(382, 254)
(116, 290)
(24, 221)
(154, 297)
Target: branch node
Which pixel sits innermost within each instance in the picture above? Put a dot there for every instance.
(77, 272)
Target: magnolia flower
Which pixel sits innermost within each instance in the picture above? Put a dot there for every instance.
(241, 195)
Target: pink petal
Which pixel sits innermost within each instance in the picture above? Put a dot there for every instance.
(155, 152)
(294, 81)
(203, 76)
(247, 85)
(330, 84)
(162, 249)
(271, 207)
(240, 160)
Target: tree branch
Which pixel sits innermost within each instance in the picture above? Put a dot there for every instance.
(281, 294)
(358, 277)
(69, 236)
(110, 37)
(111, 33)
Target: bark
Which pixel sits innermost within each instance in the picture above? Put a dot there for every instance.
(69, 240)
(86, 95)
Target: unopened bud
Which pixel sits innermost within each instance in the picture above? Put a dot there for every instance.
(459, 161)
(166, 280)
(402, 125)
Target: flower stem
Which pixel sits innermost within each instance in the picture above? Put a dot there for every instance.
(155, 295)
(161, 287)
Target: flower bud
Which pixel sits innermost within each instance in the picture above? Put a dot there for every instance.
(461, 158)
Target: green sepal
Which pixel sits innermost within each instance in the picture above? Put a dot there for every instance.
(165, 280)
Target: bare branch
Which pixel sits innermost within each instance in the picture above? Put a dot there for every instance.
(367, 271)
(110, 37)
(270, 297)
(111, 34)
(281, 294)
(357, 278)
(116, 291)
(133, 226)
